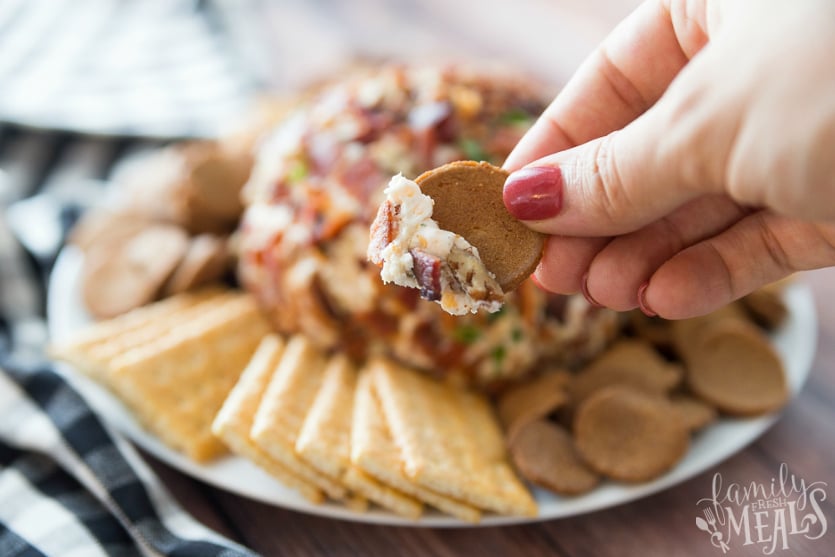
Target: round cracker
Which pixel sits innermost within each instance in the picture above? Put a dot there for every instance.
(629, 363)
(629, 435)
(532, 400)
(767, 307)
(544, 454)
(104, 227)
(468, 201)
(205, 262)
(734, 367)
(125, 277)
(695, 413)
(213, 188)
(687, 333)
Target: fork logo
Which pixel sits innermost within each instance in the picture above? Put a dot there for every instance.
(766, 514)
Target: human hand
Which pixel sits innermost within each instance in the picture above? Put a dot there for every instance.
(694, 157)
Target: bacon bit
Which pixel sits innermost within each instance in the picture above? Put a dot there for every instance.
(431, 339)
(427, 270)
(448, 130)
(374, 124)
(383, 231)
(379, 321)
(361, 178)
(329, 227)
(424, 144)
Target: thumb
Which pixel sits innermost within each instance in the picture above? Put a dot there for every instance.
(612, 185)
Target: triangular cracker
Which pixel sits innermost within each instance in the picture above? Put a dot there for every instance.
(325, 438)
(284, 407)
(77, 350)
(234, 421)
(382, 494)
(324, 441)
(177, 383)
(374, 452)
(439, 431)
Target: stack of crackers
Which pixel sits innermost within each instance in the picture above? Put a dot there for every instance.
(629, 414)
(201, 372)
(381, 433)
(174, 362)
(170, 231)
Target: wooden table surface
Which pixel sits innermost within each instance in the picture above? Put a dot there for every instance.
(551, 38)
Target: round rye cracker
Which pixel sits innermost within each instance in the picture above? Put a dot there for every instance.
(130, 275)
(205, 261)
(468, 201)
(736, 369)
(695, 413)
(544, 453)
(629, 363)
(629, 435)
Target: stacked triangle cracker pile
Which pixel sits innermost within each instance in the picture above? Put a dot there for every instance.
(201, 371)
(173, 362)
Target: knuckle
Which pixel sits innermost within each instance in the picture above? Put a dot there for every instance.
(671, 234)
(774, 247)
(723, 268)
(604, 190)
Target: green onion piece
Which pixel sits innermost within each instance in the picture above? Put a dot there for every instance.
(516, 334)
(492, 317)
(473, 150)
(516, 116)
(498, 354)
(467, 334)
(297, 172)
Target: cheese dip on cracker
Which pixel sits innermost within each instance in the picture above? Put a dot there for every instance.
(416, 252)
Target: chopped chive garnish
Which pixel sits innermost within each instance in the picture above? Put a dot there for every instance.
(467, 334)
(473, 150)
(491, 317)
(498, 354)
(515, 116)
(298, 171)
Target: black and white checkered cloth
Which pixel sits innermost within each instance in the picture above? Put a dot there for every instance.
(163, 69)
(69, 486)
(152, 68)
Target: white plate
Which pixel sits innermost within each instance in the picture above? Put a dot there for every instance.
(795, 341)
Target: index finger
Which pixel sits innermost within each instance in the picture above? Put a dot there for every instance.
(620, 80)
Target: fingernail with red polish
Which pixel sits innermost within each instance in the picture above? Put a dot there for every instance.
(584, 288)
(534, 193)
(642, 301)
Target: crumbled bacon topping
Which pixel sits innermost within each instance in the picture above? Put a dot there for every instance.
(383, 230)
(427, 269)
(317, 181)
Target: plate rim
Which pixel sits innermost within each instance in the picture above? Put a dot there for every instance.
(63, 296)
